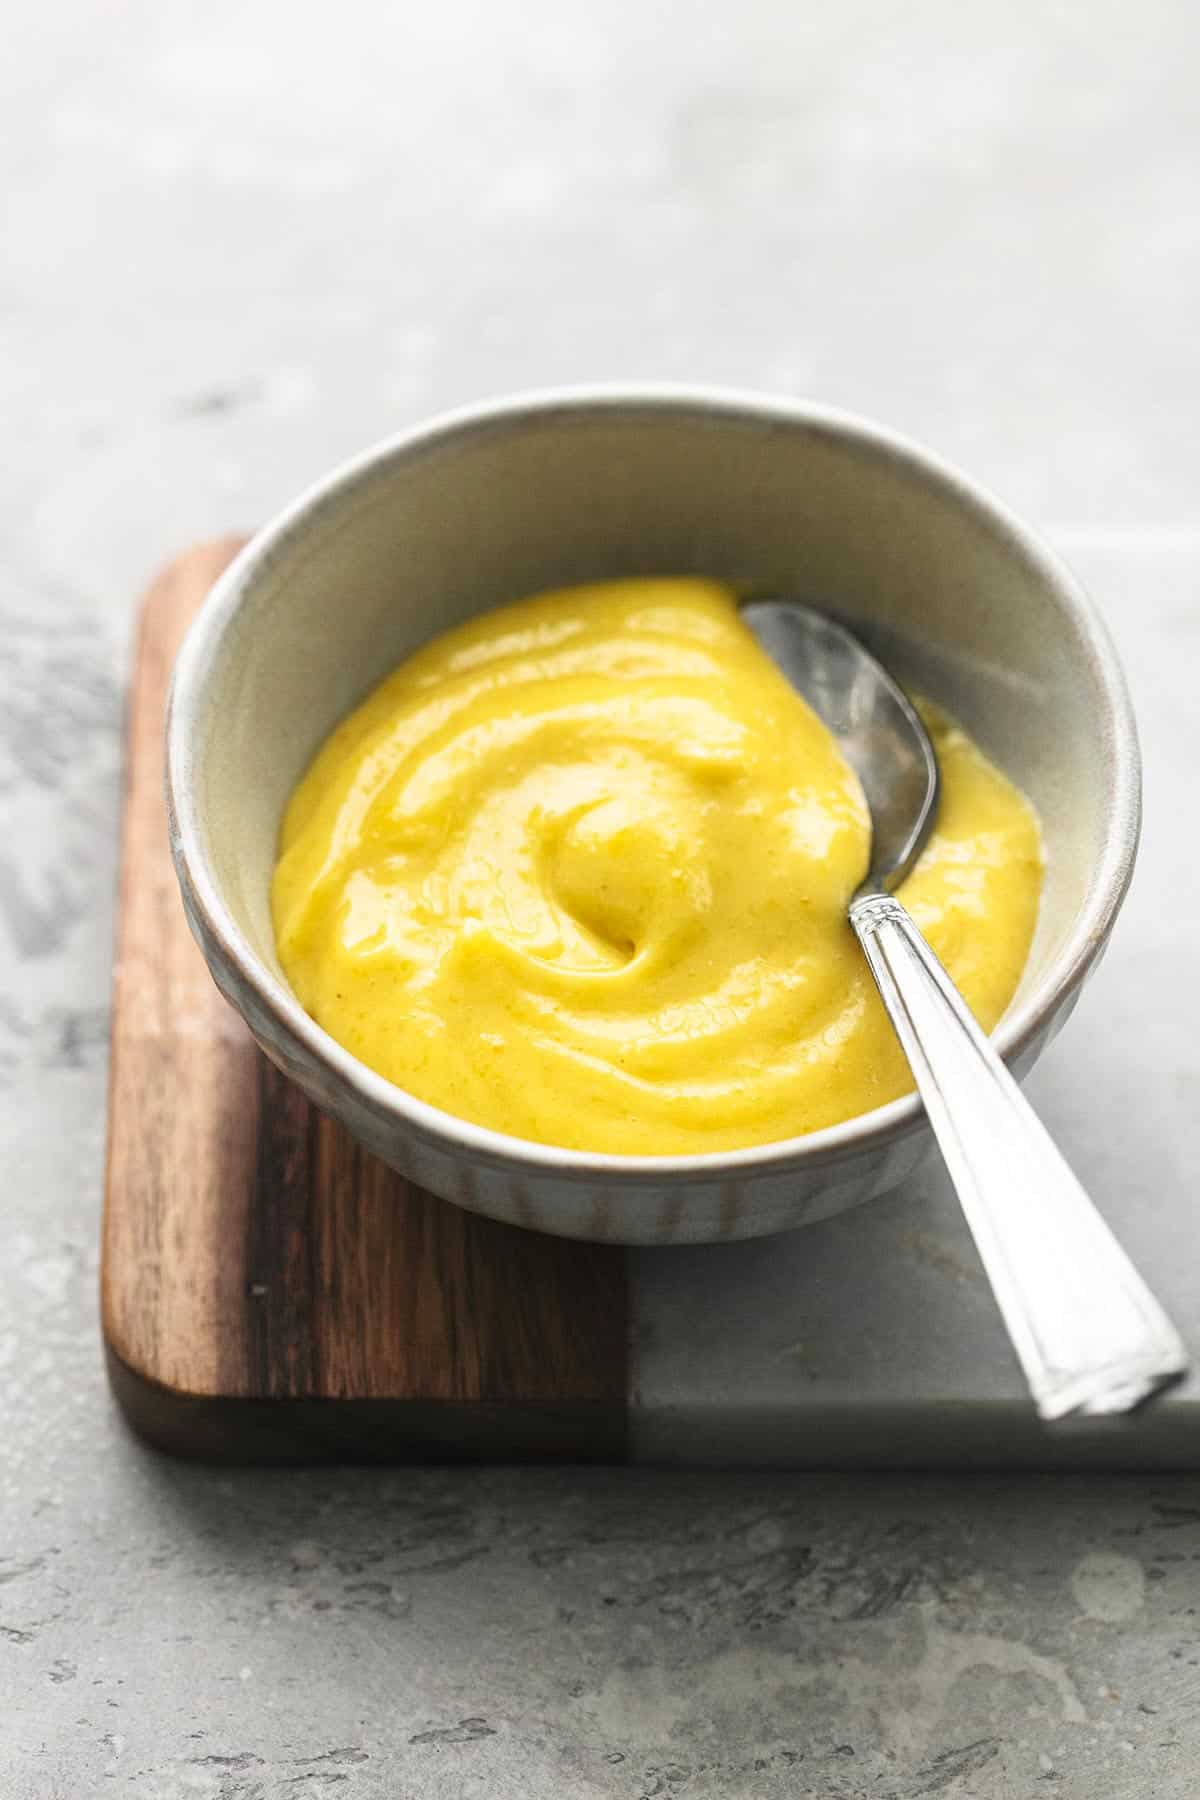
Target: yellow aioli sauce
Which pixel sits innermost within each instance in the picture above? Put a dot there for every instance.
(579, 869)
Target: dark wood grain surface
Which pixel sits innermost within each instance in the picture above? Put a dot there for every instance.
(270, 1290)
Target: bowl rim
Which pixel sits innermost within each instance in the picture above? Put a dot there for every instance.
(1117, 749)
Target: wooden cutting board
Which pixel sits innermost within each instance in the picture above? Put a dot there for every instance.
(268, 1289)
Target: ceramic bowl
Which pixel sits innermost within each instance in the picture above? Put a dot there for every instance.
(498, 501)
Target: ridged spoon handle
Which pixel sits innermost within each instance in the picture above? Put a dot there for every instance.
(1087, 1330)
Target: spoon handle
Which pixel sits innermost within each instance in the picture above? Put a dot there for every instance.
(1089, 1333)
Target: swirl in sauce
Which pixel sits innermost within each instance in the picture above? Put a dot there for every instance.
(578, 870)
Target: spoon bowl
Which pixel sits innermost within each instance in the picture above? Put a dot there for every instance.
(878, 728)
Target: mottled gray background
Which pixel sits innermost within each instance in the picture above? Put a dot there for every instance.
(240, 241)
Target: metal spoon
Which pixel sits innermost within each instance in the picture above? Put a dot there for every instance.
(1089, 1334)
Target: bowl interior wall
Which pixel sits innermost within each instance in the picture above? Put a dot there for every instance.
(486, 515)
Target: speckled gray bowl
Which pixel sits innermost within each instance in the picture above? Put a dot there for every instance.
(501, 500)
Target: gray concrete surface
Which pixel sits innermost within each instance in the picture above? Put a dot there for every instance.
(239, 241)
